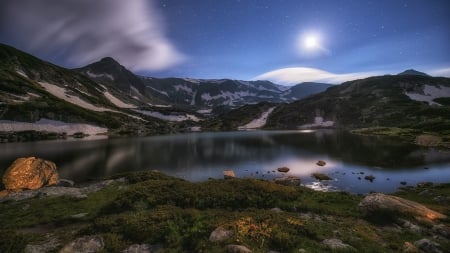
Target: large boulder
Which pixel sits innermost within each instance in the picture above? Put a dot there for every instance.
(380, 202)
(220, 234)
(85, 244)
(30, 173)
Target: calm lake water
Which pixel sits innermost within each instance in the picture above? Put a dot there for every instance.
(199, 156)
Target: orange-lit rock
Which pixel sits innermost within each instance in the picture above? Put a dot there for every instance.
(378, 202)
(30, 173)
(227, 174)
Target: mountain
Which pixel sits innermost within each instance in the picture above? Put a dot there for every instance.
(32, 90)
(195, 93)
(412, 72)
(412, 101)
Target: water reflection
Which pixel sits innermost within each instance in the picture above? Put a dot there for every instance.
(199, 156)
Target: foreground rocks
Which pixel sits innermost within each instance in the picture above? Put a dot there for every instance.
(30, 173)
(380, 202)
(85, 244)
(220, 234)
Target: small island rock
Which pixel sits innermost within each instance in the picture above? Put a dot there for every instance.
(283, 169)
(321, 163)
(30, 173)
(321, 176)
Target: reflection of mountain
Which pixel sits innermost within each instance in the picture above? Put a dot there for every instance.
(199, 153)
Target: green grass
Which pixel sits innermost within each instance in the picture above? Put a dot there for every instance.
(179, 215)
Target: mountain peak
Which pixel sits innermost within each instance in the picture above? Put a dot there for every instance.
(412, 72)
(109, 60)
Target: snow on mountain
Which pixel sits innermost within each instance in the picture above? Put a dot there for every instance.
(258, 122)
(51, 126)
(429, 94)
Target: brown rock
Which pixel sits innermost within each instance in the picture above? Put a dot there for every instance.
(89, 244)
(232, 248)
(220, 234)
(321, 176)
(410, 248)
(378, 201)
(30, 173)
(321, 163)
(283, 169)
(228, 174)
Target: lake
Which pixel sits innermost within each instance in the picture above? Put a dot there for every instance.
(199, 156)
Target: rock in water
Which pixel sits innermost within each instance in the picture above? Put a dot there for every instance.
(283, 169)
(378, 202)
(30, 173)
(321, 163)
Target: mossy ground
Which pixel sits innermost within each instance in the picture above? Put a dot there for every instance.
(179, 215)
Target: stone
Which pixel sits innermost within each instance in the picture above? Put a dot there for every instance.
(321, 163)
(276, 210)
(378, 202)
(79, 215)
(428, 246)
(288, 181)
(30, 173)
(336, 244)
(228, 174)
(220, 234)
(141, 248)
(369, 178)
(85, 244)
(321, 176)
(283, 169)
(441, 230)
(66, 183)
(233, 248)
(410, 248)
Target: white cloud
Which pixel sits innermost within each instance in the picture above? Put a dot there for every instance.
(290, 76)
(445, 72)
(83, 31)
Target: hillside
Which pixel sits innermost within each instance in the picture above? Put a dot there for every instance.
(32, 90)
(411, 101)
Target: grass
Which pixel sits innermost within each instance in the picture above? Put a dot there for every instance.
(179, 216)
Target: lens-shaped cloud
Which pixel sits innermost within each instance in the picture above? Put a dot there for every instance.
(290, 76)
(83, 31)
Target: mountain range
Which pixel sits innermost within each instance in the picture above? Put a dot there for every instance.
(105, 94)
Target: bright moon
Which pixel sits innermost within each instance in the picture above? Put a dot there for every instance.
(311, 42)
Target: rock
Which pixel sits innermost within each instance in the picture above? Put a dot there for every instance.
(283, 169)
(272, 251)
(321, 163)
(443, 200)
(220, 234)
(141, 248)
(49, 245)
(378, 202)
(410, 248)
(233, 248)
(442, 230)
(428, 246)
(369, 178)
(78, 215)
(85, 244)
(336, 244)
(288, 181)
(66, 183)
(403, 182)
(411, 226)
(30, 173)
(276, 210)
(321, 176)
(228, 174)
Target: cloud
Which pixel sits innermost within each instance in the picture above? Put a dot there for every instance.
(290, 76)
(84, 31)
(445, 72)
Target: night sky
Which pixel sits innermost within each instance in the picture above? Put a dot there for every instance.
(286, 41)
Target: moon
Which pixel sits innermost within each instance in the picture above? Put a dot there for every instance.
(311, 42)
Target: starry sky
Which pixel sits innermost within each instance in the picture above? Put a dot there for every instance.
(285, 41)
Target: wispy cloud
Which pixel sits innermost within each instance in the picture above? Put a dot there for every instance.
(83, 31)
(445, 72)
(290, 76)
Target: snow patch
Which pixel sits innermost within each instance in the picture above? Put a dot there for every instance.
(318, 122)
(430, 93)
(117, 102)
(51, 126)
(204, 111)
(93, 75)
(176, 118)
(159, 91)
(259, 122)
(61, 94)
(20, 72)
(183, 88)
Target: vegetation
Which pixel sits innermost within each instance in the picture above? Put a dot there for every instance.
(179, 216)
